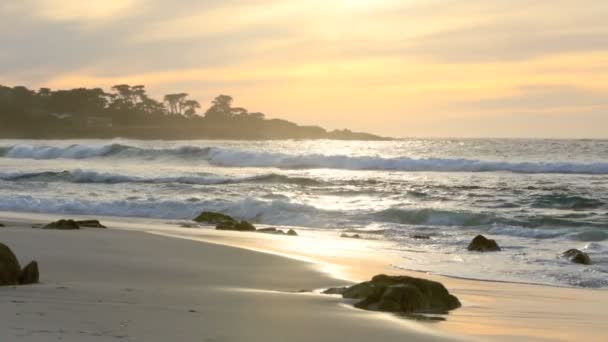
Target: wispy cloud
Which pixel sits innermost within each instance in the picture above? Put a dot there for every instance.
(420, 64)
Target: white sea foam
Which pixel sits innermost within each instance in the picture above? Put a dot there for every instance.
(89, 176)
(533, 216)
(246, 158)
(270, 212)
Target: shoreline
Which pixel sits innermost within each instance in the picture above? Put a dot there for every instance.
(124, 285)
(492, 310)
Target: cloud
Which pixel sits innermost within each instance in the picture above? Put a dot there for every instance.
(71, 10)
(420, 63)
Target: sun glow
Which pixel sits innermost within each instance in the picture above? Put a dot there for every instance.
(369, 4)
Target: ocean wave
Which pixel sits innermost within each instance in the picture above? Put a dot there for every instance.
(529, 226)
(245, 158)
(435, 217)
(564, 201)
(83, 176)
(275, 212)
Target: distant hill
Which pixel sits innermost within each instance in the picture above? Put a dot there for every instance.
(128, 112)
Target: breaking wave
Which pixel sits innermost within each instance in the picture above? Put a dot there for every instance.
(83, 176)
(245, 158)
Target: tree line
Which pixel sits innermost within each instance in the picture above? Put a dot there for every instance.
(128, 111)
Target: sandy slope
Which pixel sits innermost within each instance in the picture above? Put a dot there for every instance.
(171, 277)
(113, 285)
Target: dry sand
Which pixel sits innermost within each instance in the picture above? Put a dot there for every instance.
(120, 284)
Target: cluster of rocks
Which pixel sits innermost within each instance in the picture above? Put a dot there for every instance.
(482, 244)
(11, 272)
(72, 225)
(400, 294)
(225, 222)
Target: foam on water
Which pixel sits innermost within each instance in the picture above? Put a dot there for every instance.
(84, 176)
(246, 158)
(536, 198)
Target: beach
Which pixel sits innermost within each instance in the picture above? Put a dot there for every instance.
(152, 280)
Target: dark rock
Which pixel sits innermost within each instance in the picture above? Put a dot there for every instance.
(421, 236)
(271, 231)
(267, 230)
(9, 266)
(335, 290)
(354, 236)
(292, 232)
(2, 225)
(577, 257)
(29, 274)
(482, 244)
(242, 226)
(402, 298)
(245, 226)
(214, 218)
(90, 224)
(62, 225)
(400, 294)
(226, 226)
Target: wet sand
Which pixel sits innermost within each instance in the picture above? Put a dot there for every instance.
(159, 264)
(117, 285)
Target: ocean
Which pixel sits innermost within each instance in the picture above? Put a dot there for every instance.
(537, 198)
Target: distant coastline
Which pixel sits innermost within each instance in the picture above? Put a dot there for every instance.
(128, 112)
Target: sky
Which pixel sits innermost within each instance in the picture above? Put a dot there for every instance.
(408, 68)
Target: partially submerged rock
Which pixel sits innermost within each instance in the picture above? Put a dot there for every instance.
(421, 237)
(271, 230)
(212, 217)
(292, 232)
(335, 291)
(482, 244)
(90, 224)
(29, 274)
(2, 225)
(62, 225)
(578, 257)
(242, 226)
(9, 266)
(354, 236)
(401, 294)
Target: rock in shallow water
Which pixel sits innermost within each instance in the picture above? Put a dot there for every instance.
(242, 226)
(578, 257)
(9, 266)
(401, 294)
(268, 230)
(354, 236)
(90, 224)
(29, 274)
(292, 232)
(214, 218)
(62, 225)
(482, 244)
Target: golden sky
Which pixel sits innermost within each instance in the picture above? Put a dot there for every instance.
(503, 68)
